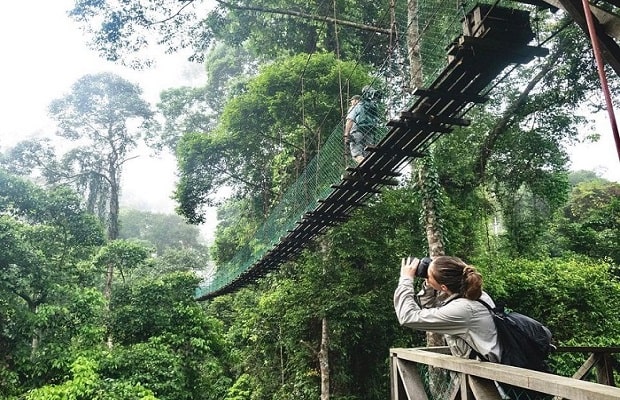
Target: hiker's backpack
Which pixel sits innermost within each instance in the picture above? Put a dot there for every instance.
(369, 115)
(524, 342)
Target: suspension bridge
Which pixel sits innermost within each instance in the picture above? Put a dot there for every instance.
(325, 194)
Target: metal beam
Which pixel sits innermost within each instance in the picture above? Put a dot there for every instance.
(607, 27)
(609, 48)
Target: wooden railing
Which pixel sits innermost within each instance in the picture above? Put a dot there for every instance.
(415, 373)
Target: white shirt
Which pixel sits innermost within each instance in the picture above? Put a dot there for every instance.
(465, 323)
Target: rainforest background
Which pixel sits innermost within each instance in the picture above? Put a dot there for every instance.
(97, 301)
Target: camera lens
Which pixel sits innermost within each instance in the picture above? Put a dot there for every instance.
(422, 270)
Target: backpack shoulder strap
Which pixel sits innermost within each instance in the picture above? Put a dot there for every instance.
(473, 354)
(485, 304)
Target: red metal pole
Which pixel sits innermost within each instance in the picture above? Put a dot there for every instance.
(601, 73)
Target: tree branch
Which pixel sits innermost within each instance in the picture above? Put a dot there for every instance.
(240, 179)
(487, 147)
(309, 347)
(306, 16)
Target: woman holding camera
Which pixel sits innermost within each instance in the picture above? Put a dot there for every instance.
(447, 305)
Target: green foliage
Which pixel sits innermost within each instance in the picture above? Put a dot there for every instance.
(590, 222)
(181, 260)
(347, 278)
(138, 298)
(577, 177)
(525, 218)
(153, 364)
(575, 297)
(31, 157)
(196, 110)
(9, 380)
(164, 231)
(166, 341)
(88, 385)
(268, 28)
(253, 137)
(568, 295)
(185, 110)
(45, 234)
(172, 350)
(110, 119)
(241, 390)
(259, 128)
(235, 231)
(125, 255)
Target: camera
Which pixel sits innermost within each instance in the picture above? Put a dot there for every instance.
(422, 270)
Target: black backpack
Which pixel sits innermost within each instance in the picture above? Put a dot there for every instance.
(525, 342)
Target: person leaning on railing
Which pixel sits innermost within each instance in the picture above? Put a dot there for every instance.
(465, 322)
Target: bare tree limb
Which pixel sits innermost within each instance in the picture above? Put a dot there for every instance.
(488, 146)
(306, 16)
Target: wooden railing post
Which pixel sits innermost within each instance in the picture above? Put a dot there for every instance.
(483, 388)
(604, 369)
(600, 359)
(406, 382)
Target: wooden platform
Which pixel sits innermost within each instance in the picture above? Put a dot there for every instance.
(495, 38)
(476, 380)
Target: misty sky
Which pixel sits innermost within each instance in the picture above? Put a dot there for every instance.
(44, 54)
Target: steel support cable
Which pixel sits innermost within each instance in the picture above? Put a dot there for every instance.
(342, 101)
(366, 49)
(601, 73)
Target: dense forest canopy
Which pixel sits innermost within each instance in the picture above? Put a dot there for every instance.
(97, 302)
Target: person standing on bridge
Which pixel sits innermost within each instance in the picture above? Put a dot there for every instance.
(362, 121)
(447, 305)
(352, 136)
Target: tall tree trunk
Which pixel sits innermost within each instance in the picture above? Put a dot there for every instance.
(112, 232)
(426, 179)
(36, 335)
(324, 360)
(114, 201)
(112, 222)
(413, 45)
(428, 185)
(323, 353)
(428, 182)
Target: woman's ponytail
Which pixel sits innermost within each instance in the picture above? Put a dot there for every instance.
(472, 283)
(458, 276)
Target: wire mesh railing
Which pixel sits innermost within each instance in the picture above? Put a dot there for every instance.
(301, 197)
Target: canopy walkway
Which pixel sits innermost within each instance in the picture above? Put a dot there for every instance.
(493, 38)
